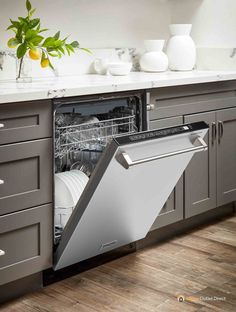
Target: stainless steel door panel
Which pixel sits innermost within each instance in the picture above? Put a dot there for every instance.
(118, 205)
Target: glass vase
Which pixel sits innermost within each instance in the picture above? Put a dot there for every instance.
(24, 69)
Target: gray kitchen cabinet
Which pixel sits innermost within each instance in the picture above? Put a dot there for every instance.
(210, 178)
(226, 156)
(25, 121)
(172, 211)
(26, 225)
(200, 175)
(25, 175)
(25, 243)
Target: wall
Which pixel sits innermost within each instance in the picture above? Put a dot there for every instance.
(126, 23)
(214, 30)
(95, 24)
(214, 21)
(104, 23)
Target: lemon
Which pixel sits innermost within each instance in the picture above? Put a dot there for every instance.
(45, 63)
(12, 43)
(34, 54)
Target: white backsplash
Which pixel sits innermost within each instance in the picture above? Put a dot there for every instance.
(78, 63)
(216, 59)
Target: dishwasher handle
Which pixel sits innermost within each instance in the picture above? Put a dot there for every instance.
(127, 162)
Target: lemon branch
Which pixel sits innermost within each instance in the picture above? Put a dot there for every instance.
(28, 38)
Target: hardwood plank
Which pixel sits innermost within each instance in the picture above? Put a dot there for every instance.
(201, 263)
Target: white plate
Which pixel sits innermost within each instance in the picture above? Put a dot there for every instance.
(81, 174)
(75, 183)
(67, 178)
(78, 186)
(80, 179)
(63, 196)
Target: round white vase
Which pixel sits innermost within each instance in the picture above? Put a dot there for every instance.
(181, 49)
(154, 60)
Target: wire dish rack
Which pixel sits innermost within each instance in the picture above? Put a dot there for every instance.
(92, 136)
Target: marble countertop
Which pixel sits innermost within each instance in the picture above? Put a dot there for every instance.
(45, 88)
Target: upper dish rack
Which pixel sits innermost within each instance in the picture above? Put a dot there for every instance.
(92, 135)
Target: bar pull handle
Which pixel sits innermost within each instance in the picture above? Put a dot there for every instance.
(220, 130)
(2, 125)
(214, 132)
(127, 162)
(1, 181)
(150, 107)
(2, 252)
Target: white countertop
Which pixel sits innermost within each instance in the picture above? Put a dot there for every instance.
(45, 88)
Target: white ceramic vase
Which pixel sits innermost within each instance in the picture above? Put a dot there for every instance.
(154, 60)
(181, 50)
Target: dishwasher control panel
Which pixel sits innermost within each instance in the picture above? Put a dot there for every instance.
(160, 133)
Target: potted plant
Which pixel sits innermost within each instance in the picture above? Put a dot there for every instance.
(29, 41)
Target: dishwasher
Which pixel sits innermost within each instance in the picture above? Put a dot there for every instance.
(112, 175)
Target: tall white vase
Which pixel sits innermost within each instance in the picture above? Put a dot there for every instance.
(181, 49)
(154, 60)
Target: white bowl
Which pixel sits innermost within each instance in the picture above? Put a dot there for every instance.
(119, 68)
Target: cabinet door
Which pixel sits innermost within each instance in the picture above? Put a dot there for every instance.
(25, 121)
(25, 243)
(25, 175)
(200, 175)
(172, 211)
(226, 156)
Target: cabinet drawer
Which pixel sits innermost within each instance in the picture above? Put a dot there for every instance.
(25, 121)
(167, 122)
(182, 100)
(25, 243)
(25, 175)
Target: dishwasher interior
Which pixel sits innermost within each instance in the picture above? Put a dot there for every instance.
(83, 128)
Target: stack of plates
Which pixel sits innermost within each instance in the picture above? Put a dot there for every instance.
(69, 186)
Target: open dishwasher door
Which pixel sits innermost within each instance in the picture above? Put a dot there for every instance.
(127, 190)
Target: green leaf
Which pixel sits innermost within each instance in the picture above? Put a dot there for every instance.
(59, 54)
(70, 48)
(19, 34)
(28, 5)
(36, 40)
(48, 42)
(31, 12)
(15, 24)
(30, 33)
(57, 43)
(67, 49)
(61, 50)
(42, 30)
(43, 57)
(21, 50)
(86, 50)
(13, 42)
(57, 35)
(34, 22)
(23, 19)
(11, 27)
(51, 66)
(75, 44)
(53, 54)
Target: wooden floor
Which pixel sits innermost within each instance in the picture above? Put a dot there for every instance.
(200, 265)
